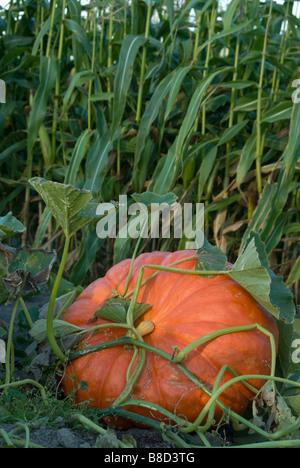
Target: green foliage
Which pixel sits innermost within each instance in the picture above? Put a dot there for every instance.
(125, 98)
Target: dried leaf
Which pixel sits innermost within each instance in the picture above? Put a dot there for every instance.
(22, 271)
(108, 440)
(270, 411)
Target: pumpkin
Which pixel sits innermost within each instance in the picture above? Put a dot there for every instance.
(183, 308)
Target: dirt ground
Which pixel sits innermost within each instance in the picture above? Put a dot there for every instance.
(64, 437)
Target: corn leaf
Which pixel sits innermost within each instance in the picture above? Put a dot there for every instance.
(48, 73)
(128, 53)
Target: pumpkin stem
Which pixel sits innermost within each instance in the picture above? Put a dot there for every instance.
(144, 328)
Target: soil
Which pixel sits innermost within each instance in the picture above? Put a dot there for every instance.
(62, 435)
(65, 437)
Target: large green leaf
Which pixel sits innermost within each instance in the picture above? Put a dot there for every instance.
(72, 208)
(251, 271)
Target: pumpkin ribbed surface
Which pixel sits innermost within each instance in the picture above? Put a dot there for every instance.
(183, 308)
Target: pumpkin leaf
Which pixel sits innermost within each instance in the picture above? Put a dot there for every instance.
(9, 226)
(61, 328)
(252, 272)
(116, 308)
(23, 270)
(210, 257)
(71, 207)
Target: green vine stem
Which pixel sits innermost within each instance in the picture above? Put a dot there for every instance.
(10, 344)
(20, 425)
(183, 353)
(180, 422)
(26, 312)
(6, 438)
(50, 314)
(135, 353)
(159, 268)
(27, 382)
(235, 417)
(130, 380)
(214, 397)
(134, 256)
(277, 444)
(191, 257)
(167, 431)
(95, 427)
(22, 443)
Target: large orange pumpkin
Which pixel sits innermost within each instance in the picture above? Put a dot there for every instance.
(184, 308)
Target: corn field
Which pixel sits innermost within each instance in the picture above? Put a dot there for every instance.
(189, 100)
